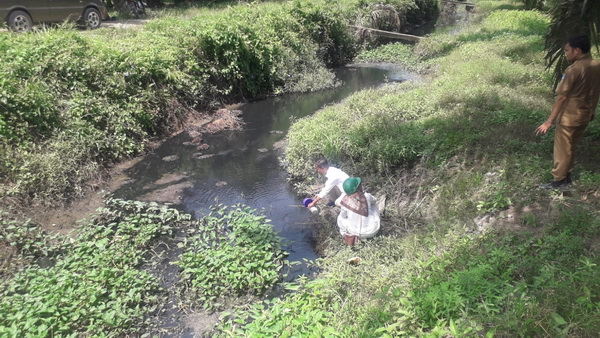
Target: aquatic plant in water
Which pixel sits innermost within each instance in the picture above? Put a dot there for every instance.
(234, 251)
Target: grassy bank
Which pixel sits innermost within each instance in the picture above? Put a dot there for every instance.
(470, 246)
(74, 102)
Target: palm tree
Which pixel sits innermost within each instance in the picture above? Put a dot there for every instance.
(570, 18)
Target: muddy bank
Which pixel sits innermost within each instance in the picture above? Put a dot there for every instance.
(63, 220)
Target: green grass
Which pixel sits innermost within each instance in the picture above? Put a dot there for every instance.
(447, 283)
(445, 116)
(470, 246)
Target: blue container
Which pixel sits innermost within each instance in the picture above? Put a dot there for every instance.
(307, 201)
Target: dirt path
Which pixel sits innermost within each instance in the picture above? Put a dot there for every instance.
(124, 23)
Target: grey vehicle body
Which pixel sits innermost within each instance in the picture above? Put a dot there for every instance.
(20, 15)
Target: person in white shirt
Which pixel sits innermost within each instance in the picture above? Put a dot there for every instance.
(359, 215)
(334, 186)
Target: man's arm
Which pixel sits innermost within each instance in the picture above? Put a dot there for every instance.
(558, 106)
(329, 184)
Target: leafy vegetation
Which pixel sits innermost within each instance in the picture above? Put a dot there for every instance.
(396, 53)
(470, 247)
(27, 238)
(74, 102)
(94, 284)
(234, 252)
(102, 283)
(570, 18)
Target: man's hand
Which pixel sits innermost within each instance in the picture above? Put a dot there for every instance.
(314, 202)
(543, 128)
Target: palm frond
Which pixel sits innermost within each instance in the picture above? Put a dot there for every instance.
(570, 18)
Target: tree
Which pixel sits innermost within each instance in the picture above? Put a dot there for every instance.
(570, 18)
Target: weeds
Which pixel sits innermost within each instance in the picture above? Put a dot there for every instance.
(30, 241)
(234, 252)
(95, 286)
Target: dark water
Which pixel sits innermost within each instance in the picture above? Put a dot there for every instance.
(246, 169)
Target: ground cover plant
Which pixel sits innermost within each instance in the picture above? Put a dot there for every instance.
(470, 246)
(102, 281)
(91, 284)
(233, 251)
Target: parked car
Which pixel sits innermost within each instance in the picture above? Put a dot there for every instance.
(21, 15)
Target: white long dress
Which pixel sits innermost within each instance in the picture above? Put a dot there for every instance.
(352, 223)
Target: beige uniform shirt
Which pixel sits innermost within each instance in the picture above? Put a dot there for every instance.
(581, 85)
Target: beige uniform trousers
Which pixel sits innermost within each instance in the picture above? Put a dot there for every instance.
(565, 142)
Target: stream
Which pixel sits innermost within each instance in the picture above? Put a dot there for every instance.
(245, 169)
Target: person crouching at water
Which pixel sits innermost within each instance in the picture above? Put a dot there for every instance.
(333, 186)
(359, 215)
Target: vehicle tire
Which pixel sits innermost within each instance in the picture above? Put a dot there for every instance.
(19, 21)
(92, 18)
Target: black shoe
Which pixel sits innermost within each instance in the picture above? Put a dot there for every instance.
(557, 184)
(330, 204)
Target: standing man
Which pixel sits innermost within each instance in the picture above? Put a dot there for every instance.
(576, 99)
(334, 185)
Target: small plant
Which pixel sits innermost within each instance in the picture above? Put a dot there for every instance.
(497, 201)
(27, 237)
(306, 313)
(529, 219)
(233, 252)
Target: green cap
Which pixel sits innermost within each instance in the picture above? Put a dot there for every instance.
(351, 184)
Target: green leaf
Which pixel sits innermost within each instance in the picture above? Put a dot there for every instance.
(558, 318)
